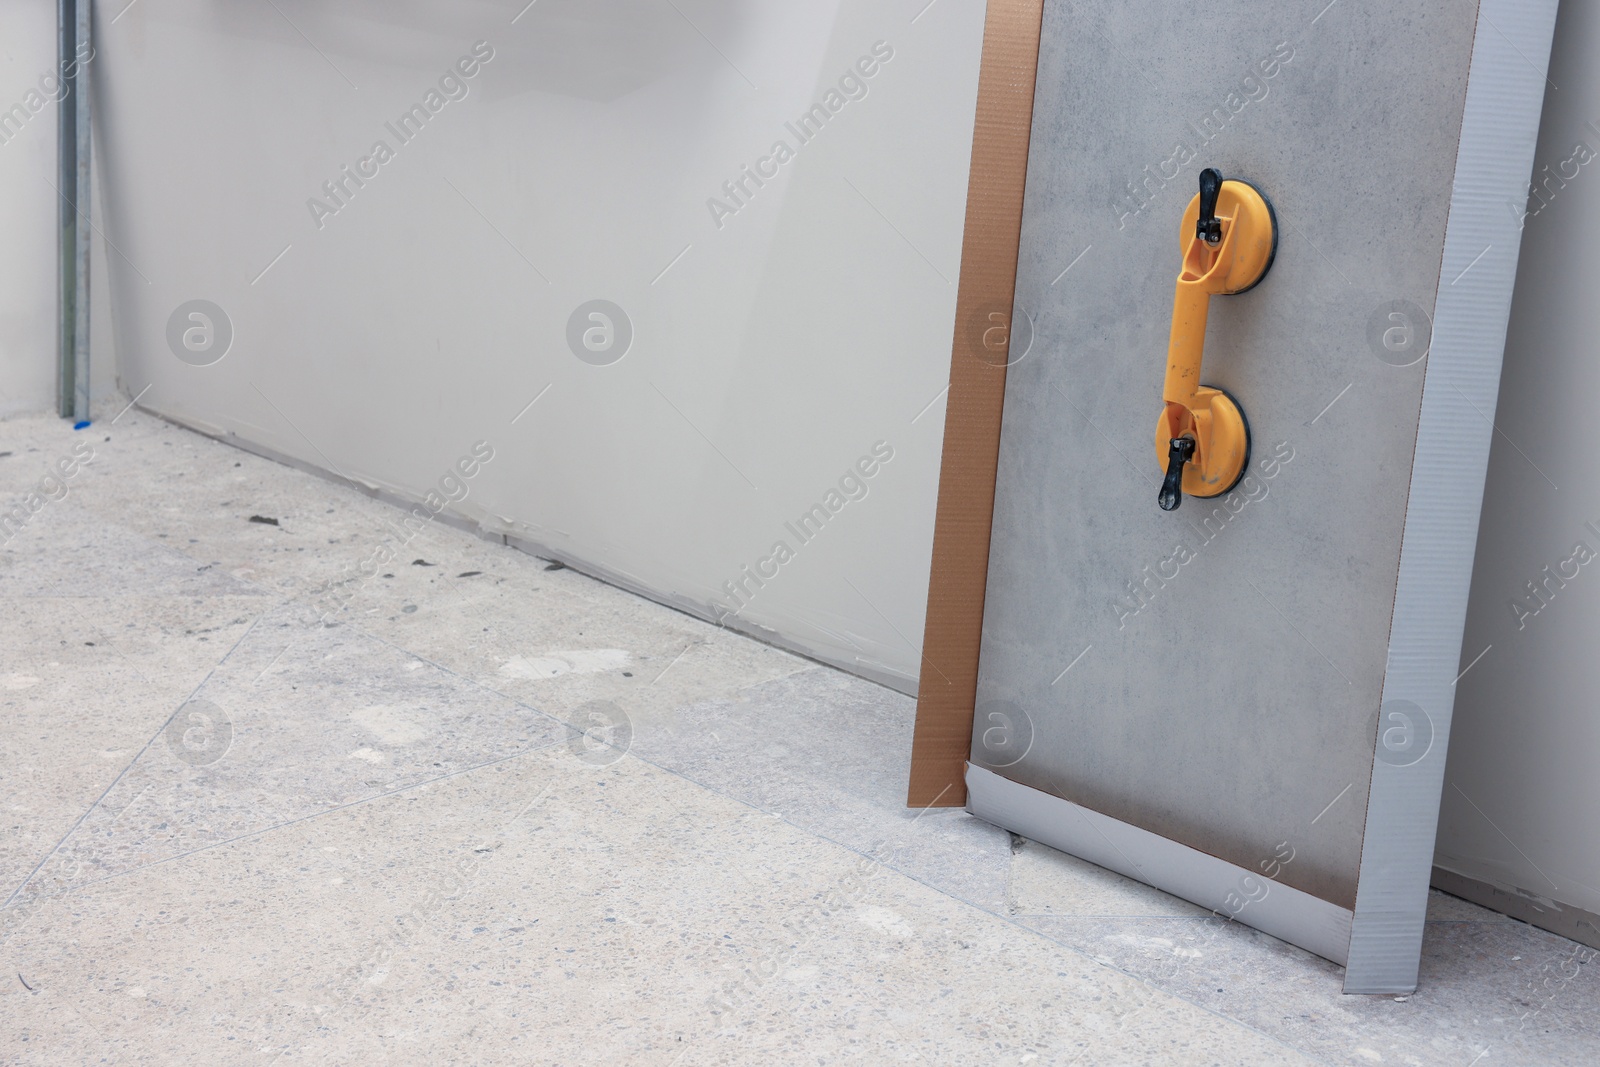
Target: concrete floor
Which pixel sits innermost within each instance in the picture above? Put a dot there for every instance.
(235, 835)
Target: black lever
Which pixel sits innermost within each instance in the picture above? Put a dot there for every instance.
(1207, 227)
(1179, 452)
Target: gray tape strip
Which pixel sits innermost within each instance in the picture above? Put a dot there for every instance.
(1499, 129)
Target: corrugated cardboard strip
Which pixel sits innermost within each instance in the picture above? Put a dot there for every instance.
(978, 358)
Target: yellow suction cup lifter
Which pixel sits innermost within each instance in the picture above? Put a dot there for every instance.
(1228, 240)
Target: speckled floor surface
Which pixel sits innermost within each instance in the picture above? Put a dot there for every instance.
(502, 813)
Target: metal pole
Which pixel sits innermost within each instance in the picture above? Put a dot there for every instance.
(83, 198)
(66, 217)
(72, 176)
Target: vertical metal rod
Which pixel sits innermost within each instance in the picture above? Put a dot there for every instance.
(83, 200)
(66, 217)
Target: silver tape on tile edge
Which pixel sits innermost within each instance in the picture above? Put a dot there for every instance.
(1499, 131)
(1284, 912)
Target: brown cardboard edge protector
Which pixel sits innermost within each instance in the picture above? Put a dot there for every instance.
(978, 357)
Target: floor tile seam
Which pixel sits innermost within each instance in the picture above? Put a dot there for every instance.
(129, 766)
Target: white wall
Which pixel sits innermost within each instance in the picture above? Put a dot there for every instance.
(27, 207)
(773, 349)
(1522, 794)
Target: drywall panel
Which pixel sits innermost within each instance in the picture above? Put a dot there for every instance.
(1516, 829)
(1245, 674)
(761, 201)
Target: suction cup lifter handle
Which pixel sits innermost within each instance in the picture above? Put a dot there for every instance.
(1208, 227)
(1227, 240)
(1178, 453)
